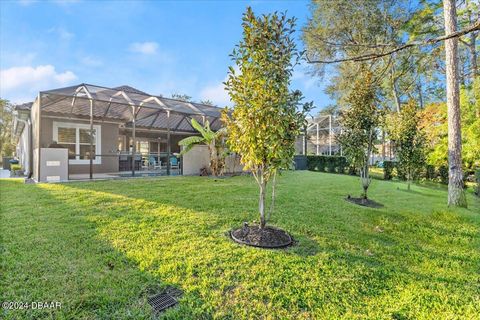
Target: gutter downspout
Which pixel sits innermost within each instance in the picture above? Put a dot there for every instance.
(28, 124)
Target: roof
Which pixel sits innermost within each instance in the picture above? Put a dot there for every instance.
(24, 106)
(153, 112)
(130, 89)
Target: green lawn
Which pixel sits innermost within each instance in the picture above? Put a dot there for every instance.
(99, 248)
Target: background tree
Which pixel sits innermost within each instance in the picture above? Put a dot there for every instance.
(264, 122)
(410, 140)
(456, 194)
(7, 147)
(329, 39)
(435, 125)
(207, 102)
(340, 29)
(215, 141)
(181, 97)
(359, 123)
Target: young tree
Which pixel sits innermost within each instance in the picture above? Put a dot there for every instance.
(6, 115)
(410, 140)
(214, 141)
(264, 122)
(359, 123)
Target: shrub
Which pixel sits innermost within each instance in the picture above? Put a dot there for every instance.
(477, 178)
(332, 163)
(430, 172)
(388, 167)
(342, 163)
(352, 170)
(15, 167)
(401, 173)
(443, 173)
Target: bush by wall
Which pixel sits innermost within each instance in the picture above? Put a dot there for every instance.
(331, 164)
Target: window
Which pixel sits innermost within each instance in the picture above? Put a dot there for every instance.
(76, 138)
(67, 139)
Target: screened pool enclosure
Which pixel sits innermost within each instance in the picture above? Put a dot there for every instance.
(119, 130)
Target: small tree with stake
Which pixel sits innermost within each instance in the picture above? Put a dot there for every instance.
(264, 123)
(359, 124)
(410, 141)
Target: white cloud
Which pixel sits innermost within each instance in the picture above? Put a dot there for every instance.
(63, 33)
(16, 83)
(215, 93)
(26, 2)
(303, 77)
(91, 61)
(144, 47)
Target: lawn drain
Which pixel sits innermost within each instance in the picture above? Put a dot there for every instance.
(162, 301)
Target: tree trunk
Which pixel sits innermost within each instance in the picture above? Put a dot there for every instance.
(473, 56)
(420, 93)
(409, 179)
(456, 194)
(383, 144)
(396, 96)
(261, 200)
(473, 49)
(365, 181)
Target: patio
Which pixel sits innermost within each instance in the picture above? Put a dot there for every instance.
(108, 131)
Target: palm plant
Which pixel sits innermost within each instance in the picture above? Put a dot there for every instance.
(214, 140)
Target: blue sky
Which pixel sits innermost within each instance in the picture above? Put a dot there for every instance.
(159, 47)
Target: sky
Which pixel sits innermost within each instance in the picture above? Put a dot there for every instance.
(159, 47)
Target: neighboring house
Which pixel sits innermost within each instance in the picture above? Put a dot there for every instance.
(131, 131)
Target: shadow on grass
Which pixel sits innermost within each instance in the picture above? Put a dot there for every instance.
(173, 229)
(64, 258)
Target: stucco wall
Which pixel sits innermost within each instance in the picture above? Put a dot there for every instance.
(54, 164)
(23, 149)
(198, 158)
(34, 116)
(109, 145)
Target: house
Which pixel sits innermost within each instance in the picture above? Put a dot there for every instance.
(89, 131)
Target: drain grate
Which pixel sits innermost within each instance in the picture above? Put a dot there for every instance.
(164, 300)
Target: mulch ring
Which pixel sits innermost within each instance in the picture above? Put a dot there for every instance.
(268, 237)
(364, 202)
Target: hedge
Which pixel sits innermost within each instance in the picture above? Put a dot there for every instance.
(388, 167)
(330, 164)
(429, 173)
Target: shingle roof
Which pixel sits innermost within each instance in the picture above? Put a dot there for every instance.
(24, 106)
(130, 89)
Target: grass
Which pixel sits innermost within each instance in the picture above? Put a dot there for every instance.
(100, 248)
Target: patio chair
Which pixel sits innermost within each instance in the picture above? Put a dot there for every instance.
(154, 164)
(145, 164)
(174, 163)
